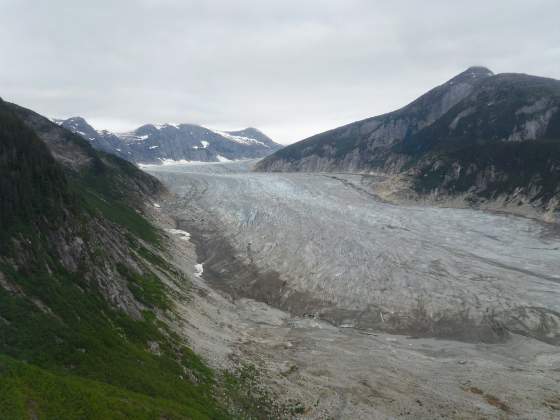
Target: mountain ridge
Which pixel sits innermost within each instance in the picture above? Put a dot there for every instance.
(157, 143)
(435, 131)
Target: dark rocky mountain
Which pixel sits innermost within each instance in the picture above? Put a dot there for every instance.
(84, 285)
(101, 140)
(175, 142)
(366, 144)
(479, 137)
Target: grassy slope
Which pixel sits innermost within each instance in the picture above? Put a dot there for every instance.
(27, 391)
(65, 351)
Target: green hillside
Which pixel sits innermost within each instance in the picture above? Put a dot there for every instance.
(67, 236)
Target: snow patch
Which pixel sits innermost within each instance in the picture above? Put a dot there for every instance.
(171, 162)
(198, 270)
(204, 144)
(168, 162)
(159, 126)
(183, 235)
(238, 139)
(153, 147)
(131, 136)
(175, 162)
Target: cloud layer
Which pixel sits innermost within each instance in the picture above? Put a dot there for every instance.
(291, 68)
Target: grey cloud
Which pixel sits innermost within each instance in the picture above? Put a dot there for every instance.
(289, 67)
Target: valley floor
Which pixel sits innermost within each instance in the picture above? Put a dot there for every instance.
(301, 273)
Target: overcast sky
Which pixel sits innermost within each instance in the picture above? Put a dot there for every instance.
(291, 68)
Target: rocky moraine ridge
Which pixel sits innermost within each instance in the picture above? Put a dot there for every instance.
(161, 143)
(480, 139)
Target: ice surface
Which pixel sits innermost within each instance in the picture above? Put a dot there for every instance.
(329, 238)
(321, 227)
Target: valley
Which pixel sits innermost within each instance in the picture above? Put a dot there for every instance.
(280, 210)
(349, 306)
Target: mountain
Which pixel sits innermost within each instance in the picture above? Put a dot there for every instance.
(488, 140)
(159, 143)
(101, 140)
(85, 278)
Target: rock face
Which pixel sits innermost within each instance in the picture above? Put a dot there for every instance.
(480, 135)
(364, 145)
(44, 165)
(159, 143)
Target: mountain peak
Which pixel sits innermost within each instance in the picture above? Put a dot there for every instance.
(77, 124)
(480, 69)
(473, 73)
(248, 130)
(155, 143)
(77, 119)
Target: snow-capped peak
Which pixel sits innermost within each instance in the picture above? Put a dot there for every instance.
(159, 126)
(237, 139)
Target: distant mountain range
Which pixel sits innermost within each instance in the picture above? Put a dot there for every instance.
(160, 143)
(489, 140)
